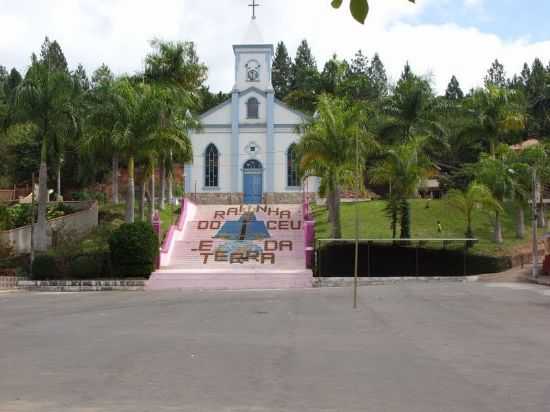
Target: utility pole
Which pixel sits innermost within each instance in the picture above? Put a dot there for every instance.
(534, 225)
(356, 269)
(32, 218)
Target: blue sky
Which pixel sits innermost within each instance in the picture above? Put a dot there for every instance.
(509, 19)
(438, 37)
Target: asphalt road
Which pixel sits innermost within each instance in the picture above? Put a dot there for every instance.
(409, 347)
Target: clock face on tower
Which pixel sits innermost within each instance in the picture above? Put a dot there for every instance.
(253, 71)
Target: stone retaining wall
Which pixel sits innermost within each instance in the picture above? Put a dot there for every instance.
(8, 282)
(81, 222)
(217, 198)
(81, 285)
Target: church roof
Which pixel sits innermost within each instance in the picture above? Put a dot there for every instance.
(253, 34)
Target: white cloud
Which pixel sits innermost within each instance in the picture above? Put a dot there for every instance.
(117, 32)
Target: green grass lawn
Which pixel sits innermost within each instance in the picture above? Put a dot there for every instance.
(373, 224)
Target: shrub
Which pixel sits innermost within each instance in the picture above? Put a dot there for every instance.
(90, 266)
(134, 249)
(19, 215)
(44, 267)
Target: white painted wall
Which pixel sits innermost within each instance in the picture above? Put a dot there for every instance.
(247, 55)
(220, 116)
(262, 111)
(222, 139)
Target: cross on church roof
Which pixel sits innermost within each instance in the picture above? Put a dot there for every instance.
(254, 5)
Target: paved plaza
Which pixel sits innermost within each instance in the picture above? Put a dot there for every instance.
(436, 347)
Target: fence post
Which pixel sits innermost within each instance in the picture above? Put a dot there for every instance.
(417, 266)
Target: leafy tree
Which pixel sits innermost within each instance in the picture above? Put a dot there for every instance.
(377, 75)
(53, 56)
(328, 149)
(359, 8)
(496, 76)
(454, 92)
(282, 71)
(304, 81)
(495, 112)
(333, 75)
(304, 71)
(10, 84)
(359, 63)
(411, 111)
(209, 100)
(476, 196)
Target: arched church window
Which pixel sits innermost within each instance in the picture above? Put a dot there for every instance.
(252, 164)
(292, 167)
(252, 108)
(211, 166)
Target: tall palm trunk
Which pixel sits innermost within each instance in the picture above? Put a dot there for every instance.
(40, 235)
(498, 229)
(115, 179)
(58, 182)
(405, 223)
(130, 214)
(153, 194)
(162, 185)
(142, 200)
(520, 222)
(170, 188)
(541, 218)
(333, 203)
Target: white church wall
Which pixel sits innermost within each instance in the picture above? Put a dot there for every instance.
(282, 115)
(262, 110)
(200, 141)
(220, 116)
(249, 57)
(259, 139)
(282, 143)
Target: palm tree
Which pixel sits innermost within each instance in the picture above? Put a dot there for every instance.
(44, 95)
(476, 196)
(494, 112)
(412, 111)
(175, 69)
(134, 132)
(328, 149)
(497, 174)
(101, 120)
(403, 167)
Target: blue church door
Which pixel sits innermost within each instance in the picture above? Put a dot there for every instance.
(253, 182)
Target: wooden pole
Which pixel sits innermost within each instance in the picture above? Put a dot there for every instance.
(356, 269)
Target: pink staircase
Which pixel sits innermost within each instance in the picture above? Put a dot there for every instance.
(235, 247)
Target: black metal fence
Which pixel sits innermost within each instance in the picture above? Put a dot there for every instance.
(411, 257)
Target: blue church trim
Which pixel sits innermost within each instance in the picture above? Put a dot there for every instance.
(270, 174)
(235, 180)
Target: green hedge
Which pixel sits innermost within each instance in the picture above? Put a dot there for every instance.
(384, 260)
(45, 267)
(134, 249)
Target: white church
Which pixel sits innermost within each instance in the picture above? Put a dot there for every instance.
(244, 152)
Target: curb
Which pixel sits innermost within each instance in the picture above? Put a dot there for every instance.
(126, 285)
(336, 282)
